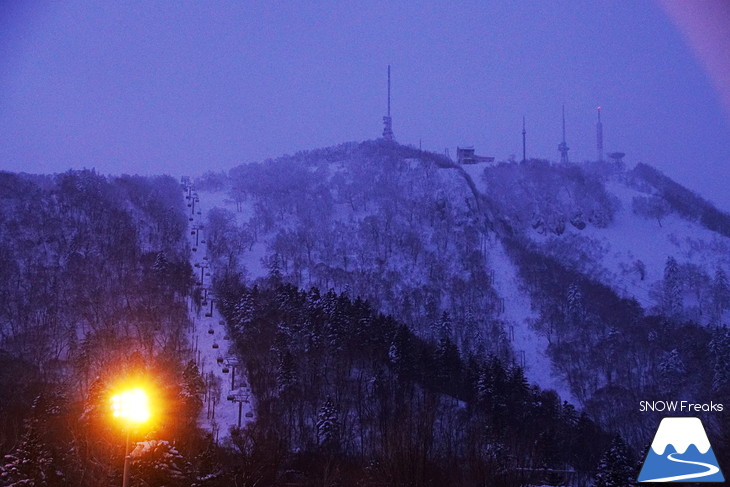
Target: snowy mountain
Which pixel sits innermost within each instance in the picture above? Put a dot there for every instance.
(560, 268)
(368, 304)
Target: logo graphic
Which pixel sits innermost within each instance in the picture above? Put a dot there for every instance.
(681, 452)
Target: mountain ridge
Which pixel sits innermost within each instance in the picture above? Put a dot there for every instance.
(602, 260)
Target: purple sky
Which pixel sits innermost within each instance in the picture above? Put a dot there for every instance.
(184, 87)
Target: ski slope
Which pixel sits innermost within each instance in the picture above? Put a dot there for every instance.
(529, 346)
(228, 402)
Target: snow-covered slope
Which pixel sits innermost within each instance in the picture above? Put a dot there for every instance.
(630, 252)
(228, 400)
(417, 235)
(633, 238)
(529, 346)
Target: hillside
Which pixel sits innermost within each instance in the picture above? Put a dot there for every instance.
(367, 313)
(539, 264)
(95, 279)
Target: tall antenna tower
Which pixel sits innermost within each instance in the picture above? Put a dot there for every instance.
(599, 136)
(524, 145)
(387, 120)
(563, 147)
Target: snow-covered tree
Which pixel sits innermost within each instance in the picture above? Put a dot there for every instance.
(484, 386)
(442, 329)
(654, 207)
(448, 363)
(720, 292)
(160, 464)
(394, 354)
(328, 426)
(286, 374)
(243, 312)
(161, 264)
(672, 291)
(209, 468)
(400, 353)
(33, 462)
(720, 350)
(671, 370)
(576, 308)
(96, 406)
(671, 364)
(616, 467)
(191, 389)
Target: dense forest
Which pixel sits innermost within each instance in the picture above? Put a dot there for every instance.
(362, 400)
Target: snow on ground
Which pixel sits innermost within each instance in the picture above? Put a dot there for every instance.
(529, 347)
(252, 260)
(527, 344)
(632, 237)
(475, 172)
(223, 376)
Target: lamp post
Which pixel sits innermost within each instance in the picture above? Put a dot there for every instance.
(132, 407)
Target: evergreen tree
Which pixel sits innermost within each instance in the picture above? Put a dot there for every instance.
(33, 462)
(519, 390)
(485, 385)
(448, 365)
(160, 464)
(191, 389)
(161, 264)
(672, 292)
(576, 310)
(492, 392)
(616, 467)
(243, 312)
(209, 470)
(585, 444)
(335, 328)
(401, 353)
(442, 328)
(328, 427)
(286, 374)
(96, 407)
(720, 292)
(720, 350)
(671, 370)
(275, 276)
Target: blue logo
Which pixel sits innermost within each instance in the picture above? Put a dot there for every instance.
(681, 452)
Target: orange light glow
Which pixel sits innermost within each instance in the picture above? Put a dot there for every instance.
(132, 405)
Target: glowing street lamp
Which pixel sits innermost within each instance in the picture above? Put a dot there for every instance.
(132, 407)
